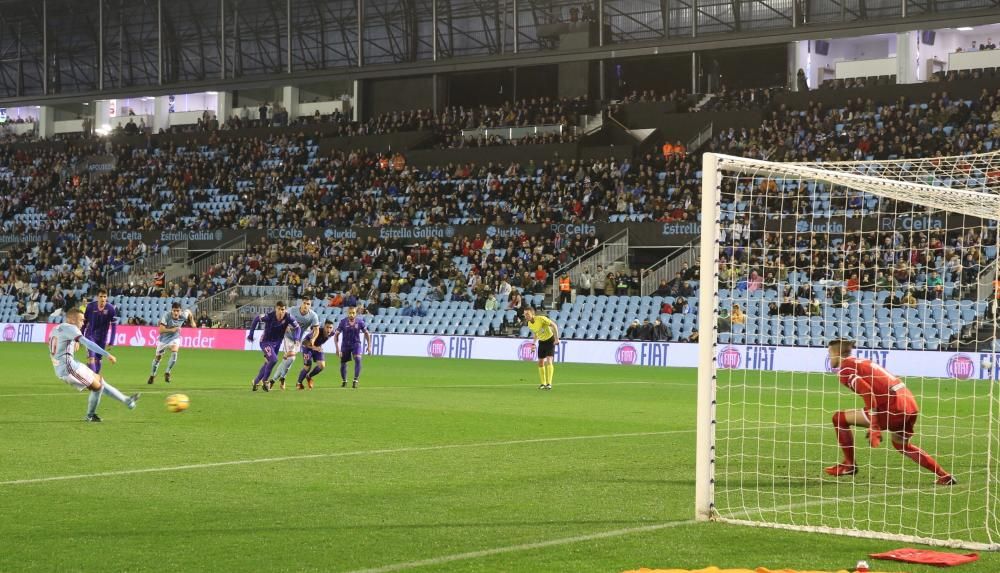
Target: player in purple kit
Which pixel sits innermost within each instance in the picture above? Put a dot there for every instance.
(99, 317)
(351, 327)
(312, 356)
(275, 323)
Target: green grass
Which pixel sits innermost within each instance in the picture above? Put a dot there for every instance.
(429, 459)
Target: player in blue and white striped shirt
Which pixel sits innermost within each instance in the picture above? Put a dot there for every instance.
(170, 338)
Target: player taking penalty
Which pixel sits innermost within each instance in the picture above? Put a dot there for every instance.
(889, 406)
(63, 342)
(546, 336)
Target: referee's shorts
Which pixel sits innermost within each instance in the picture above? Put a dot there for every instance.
(546, 348)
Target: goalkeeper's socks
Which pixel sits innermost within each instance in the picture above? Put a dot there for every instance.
(845, 437)
(921, 457)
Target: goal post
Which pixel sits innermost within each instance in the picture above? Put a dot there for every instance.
(707, 318)
(891, 254)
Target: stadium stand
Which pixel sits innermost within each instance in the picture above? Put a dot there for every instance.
(285, 180)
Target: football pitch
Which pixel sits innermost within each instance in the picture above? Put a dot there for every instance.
(432, 465)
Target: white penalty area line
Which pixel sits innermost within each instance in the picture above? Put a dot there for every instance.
(412, 449)
(605, 535)
(524, 547)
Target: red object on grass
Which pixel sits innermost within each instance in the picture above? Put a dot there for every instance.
(926, 557)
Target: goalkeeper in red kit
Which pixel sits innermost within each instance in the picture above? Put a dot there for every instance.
(889, 406)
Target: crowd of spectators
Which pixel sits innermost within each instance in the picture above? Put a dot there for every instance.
(917, 264)
(979, 46)
(741, 99)
(352, 272)
(483, 139)
(345, 188)
(853, 132)
(169, 187)
(62, 272)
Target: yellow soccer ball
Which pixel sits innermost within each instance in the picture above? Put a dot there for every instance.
(178, 402)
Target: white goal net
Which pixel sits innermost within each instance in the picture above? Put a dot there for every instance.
(896, 256)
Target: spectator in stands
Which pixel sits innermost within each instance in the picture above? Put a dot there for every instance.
(772, 309)
(661, 331)
(436, 294)
(491, 302)
(666, 308)
(892, 301)
(970, 270)
(725, 323)
(634, 331)
(908, 299)
(663, 289)
(622, 284)
(935, 286)
(680, 305)
(676, 285)
(688, 272)
(737, 316)
(610, 283)
(586, 286)
(419, 310)
(515, 302)
(814, 308)
(459, 295)
(841, 298)
(351, 299)
(801, 82)
(31, 311)
(646, 330)
(788, 307)
(204, 321)
(853, 284)
(565, 290)
(693, 337)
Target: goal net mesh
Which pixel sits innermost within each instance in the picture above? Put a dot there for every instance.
(898, 256)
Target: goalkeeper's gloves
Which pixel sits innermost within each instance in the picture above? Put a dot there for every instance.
(874, 437)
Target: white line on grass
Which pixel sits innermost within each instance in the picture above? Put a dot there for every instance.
(599, 535)
(524, 547)
(338, 455)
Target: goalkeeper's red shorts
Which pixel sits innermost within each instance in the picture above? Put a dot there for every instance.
(901, 424)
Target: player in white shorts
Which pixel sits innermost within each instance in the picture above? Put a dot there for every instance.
(170, 339)
(63, 343)
(291, 345)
